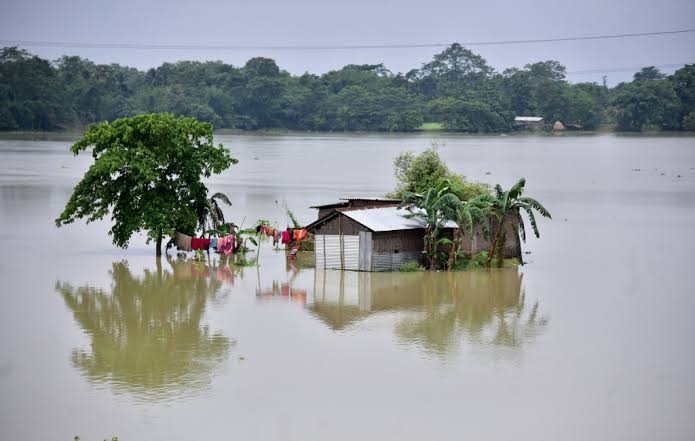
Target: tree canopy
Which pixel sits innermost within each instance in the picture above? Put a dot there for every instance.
(426, 170)
(147, 174)
(457, 89)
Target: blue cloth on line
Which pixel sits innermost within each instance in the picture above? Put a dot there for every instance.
(213, 243)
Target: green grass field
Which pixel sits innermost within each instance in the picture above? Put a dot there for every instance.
(431, 126)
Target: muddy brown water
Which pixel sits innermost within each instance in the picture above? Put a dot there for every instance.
(592, 339)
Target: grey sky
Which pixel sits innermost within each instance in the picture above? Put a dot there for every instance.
(316, 22)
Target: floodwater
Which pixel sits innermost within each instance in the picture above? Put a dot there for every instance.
(592, 339)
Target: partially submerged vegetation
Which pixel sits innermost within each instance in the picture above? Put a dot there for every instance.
(147, 175)
(438, 196)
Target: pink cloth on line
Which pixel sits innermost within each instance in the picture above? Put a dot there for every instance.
(225, 244)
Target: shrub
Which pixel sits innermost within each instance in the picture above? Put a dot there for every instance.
(689, 121)
(411, 267)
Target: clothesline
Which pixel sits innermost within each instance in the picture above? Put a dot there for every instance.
(229, 244)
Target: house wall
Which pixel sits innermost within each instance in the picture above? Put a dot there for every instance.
(391, 249)
(340, 224)
(323, 212)
(478, 243)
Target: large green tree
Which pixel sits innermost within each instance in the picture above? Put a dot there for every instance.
(647, 104)
(684, 85)
(147, 174)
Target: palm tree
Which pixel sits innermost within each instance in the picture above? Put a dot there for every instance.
(507, 206)
(435, 207)
(211, 213)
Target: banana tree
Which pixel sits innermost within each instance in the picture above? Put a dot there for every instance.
(507, 206)
(210, 214)
(468, 215)
(435, 207)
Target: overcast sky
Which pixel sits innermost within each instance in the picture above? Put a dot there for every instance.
(326, 22)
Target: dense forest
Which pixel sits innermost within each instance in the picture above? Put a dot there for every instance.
(457, 89)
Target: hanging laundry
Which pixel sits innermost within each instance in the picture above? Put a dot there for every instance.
(286, 237)
(200, 244)
(182, 241)
(300, 235)
(225, 244)
(213, 243)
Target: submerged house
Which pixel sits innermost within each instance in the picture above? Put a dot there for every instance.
(529, 122)
(382, 237)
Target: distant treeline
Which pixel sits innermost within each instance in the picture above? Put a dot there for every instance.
(457, 89)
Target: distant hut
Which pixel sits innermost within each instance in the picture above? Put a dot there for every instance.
(558, 126)
(383, 239)
(529, 122)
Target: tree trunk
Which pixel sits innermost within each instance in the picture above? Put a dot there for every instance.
(500, 248)
(493, 247)
(453, 251)
(158, 244)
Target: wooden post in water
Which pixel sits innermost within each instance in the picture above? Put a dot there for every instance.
(340, 242)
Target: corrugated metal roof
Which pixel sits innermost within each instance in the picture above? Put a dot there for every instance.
(528, 118)
(375, 199)
(388, 219)
(334, 204)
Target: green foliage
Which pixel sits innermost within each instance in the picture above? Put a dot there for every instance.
(146, 174)
(476, 261)
(457, 90)
(293, 219)
(684, 85)
(648, 73)
(210, 214)
(507, 206)
(241, 261)
(689, 122)
(473, 116)
(411, 266)
(649, 103)
(418, 173)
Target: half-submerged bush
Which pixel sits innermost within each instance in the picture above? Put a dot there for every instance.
(411, 267)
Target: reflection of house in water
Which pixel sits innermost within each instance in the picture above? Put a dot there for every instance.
(435, 310)
(146, 334)
(282, 290)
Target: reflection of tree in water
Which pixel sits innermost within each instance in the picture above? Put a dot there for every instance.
(146, 334)
(484, 308)
(436, 310)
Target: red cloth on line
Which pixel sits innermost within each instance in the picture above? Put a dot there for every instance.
(286, 237)
(300, 235)
(200, 244)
